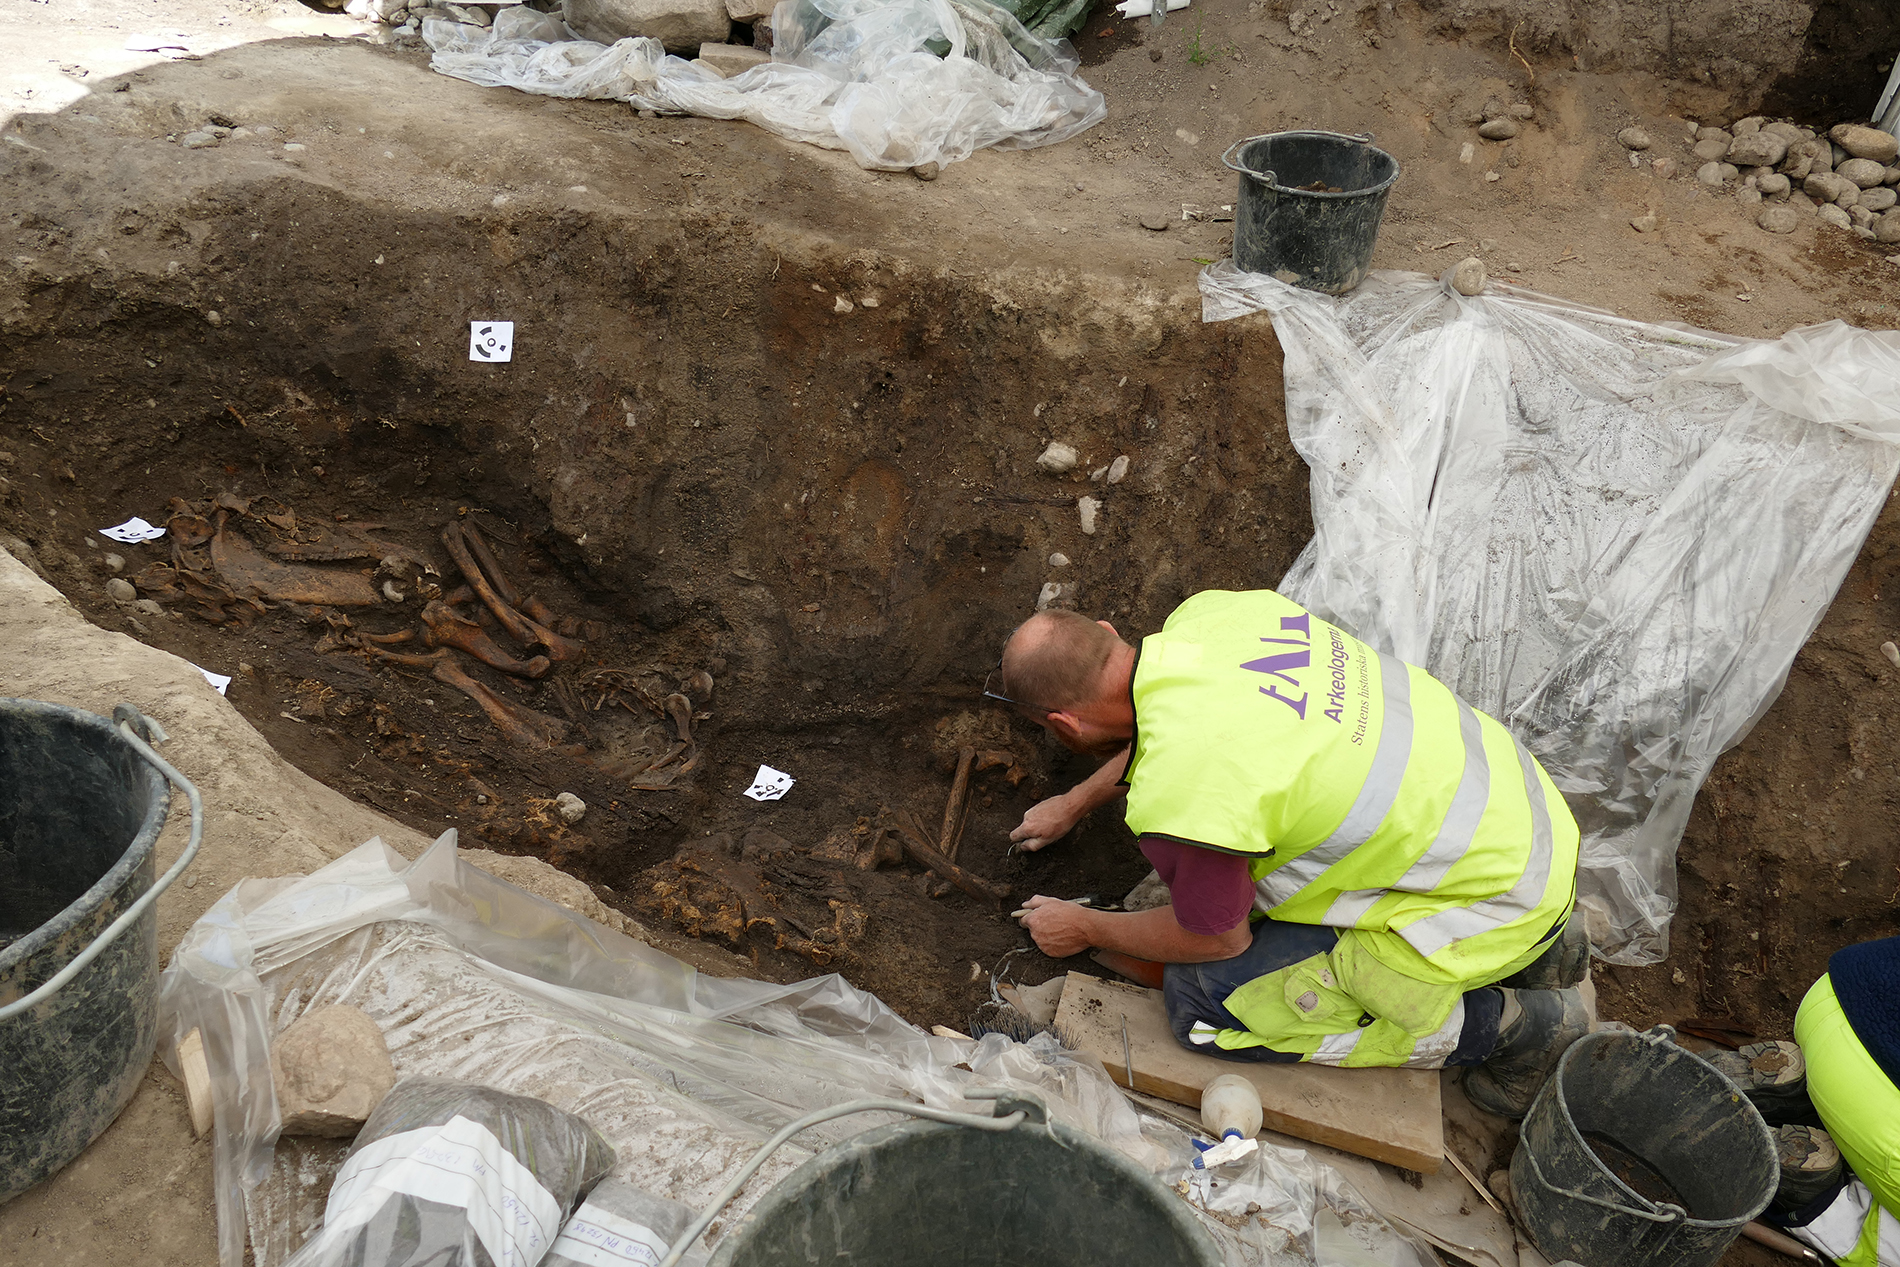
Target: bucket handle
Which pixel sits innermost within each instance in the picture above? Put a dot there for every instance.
(1271, 178)
(1666, 1211)
(133, 726)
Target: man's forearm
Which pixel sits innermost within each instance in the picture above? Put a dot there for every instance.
(1155, 935)
(1101, 787)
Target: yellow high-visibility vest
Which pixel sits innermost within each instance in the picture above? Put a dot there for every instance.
(1365, 793)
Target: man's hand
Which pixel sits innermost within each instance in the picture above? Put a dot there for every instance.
(1060, 928)
(1046, 822)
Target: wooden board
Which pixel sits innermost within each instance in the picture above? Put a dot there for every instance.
(1389, 1115)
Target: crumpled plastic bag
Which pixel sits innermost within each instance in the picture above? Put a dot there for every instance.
(452, 1172)
(1612, 536)
(897, 83)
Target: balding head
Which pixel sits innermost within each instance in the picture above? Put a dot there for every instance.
(1059, 661)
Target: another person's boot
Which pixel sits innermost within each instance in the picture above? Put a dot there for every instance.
(1536, 1028)
(1811, 1166)
(1774, 1074)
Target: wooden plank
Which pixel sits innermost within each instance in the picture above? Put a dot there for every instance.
(1389, 1115)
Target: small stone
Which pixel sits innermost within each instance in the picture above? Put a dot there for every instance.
(1467, 152)
(1729, 171)
(1058, 560)
(841, 305)
(1757, 149)
(1779, 217)
(925, 171)
(1665, 168)
(113, 562)
(1893, 176)
(1633, 138)
(1521, 110)
(331, 1069)
(1058, 458)
(1487, 244)
(1748, 197)
(1862, 231)
(120, 590)
(1881, 199)
(197, 140)
(1714, 134)
(728, 60)
(1860, 216)
(293, 147)
(148, 607)
(570, 807)
(1887, 228)
(1154, 54)
(1493, 109)
(1866, 142)
(1773, 184)
(1786, 131)
(1155, 221)
(1710, 150)
(1468, 277)
(1636, 160)
(1749, 126)
(1862, 171)
(1709, 173)
(1835, 216)
(1826, 186)
(1498, 129)
(1118, 469)
(1840, 155)
(1801, 202)
(1892, 653)
(1055, 594)
(1493, 176)
(1087, 508)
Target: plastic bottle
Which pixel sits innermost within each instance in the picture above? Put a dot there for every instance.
(1230, 1110)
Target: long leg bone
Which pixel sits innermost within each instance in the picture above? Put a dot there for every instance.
(446, 629)
(519, 627)
(520, 725)
(478, 546)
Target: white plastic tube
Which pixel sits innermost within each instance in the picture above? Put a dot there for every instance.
(1143, 8)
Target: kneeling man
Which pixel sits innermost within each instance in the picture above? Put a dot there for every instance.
(1364, 870)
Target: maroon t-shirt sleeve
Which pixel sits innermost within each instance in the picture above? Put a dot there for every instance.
(1212, 891)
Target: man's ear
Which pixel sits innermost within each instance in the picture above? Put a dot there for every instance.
(1065, 726)
(1104, 624)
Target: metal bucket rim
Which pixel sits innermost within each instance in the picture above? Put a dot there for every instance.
(1358, 138)
(1656, 1037)
(158, 804)
(813, 1168)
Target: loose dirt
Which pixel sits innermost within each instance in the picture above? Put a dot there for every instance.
(774, 419)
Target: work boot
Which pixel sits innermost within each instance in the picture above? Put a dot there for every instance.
(1537, 1027)
(1773, 1074)
(1811, 1166)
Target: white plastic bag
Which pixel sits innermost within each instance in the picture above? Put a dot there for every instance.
(1611, 536)
(898, 83)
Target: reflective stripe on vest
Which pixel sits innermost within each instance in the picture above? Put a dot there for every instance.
(1429, 837)
(1376, 794)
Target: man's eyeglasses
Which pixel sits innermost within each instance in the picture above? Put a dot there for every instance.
(991, 691)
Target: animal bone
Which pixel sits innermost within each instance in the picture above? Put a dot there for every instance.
(478, 546)
(445, 628)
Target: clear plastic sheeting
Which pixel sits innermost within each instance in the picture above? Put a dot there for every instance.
(1612, 536)
(683, 1075)
(898, 83)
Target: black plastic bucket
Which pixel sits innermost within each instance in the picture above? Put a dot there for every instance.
(1637, 1153)
(929, 1194)
(81, 807)
(1310, 205)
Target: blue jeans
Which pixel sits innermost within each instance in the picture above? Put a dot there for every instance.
(1197, 992)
